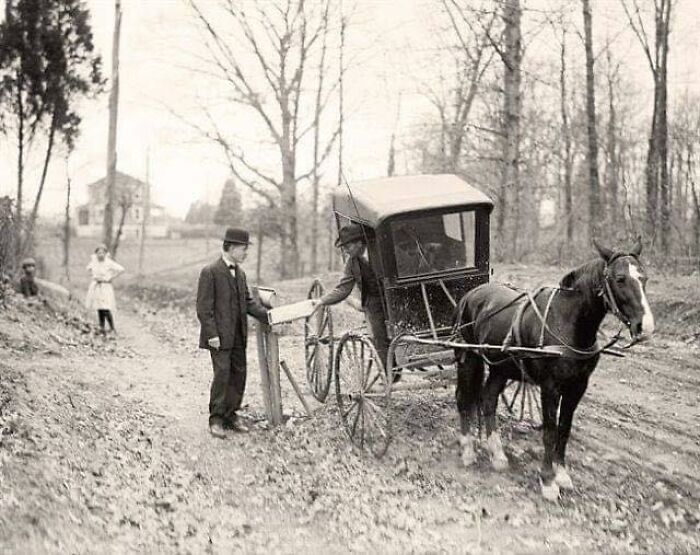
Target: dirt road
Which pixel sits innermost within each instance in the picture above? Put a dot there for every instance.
(108, 451)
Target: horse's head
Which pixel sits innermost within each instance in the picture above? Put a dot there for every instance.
(624, 289)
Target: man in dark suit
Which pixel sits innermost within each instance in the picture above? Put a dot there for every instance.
(223, 301)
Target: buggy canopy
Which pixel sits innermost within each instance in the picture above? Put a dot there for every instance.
(374, 200)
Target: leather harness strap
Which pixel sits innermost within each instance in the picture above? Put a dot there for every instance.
(514, 336)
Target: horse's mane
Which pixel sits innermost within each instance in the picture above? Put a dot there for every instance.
(587, 278)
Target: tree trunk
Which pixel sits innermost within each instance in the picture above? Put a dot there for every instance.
(316, 177)
(696, 222)
(663, 23)
(289, 245)
(612, 165)
(594, 206)
(120, 228)
(651, 173)
(566, 135)
(108, 222)
(20, 167)
(510, 176)
(28, 244)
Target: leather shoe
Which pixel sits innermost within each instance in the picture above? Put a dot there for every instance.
(217, 430)
(236, 426)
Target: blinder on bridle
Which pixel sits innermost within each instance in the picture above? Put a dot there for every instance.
(606, 291)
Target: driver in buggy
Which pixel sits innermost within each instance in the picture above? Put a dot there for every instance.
(358, 271)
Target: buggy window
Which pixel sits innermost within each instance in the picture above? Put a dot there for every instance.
(427, 244)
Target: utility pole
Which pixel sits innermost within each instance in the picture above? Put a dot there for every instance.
(145, 211)
(341, 63)
(110, 196)
(66, 226)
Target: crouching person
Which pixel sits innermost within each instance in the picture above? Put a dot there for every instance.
(27, 282)
(223, 303)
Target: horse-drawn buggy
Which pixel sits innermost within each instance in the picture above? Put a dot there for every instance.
(427, 242)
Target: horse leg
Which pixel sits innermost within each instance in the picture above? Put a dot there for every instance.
(550, 404)
(494, 385)
(470, 372)
(569, 401)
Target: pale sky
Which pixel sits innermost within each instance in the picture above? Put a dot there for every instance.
(392, 38)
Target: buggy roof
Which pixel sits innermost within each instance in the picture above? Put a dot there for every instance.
(374, 200)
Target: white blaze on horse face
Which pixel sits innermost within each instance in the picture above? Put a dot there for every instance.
(648, 317)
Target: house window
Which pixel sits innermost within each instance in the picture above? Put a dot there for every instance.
(83, 216)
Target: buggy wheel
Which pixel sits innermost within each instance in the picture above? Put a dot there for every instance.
(318, 346)
(363, 393)
(522, 401)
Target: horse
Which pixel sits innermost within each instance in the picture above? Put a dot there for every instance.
(564, 319)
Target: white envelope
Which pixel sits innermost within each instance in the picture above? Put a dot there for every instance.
(289, 312)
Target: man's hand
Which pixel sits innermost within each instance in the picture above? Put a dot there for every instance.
(214, 343)
(355, 304)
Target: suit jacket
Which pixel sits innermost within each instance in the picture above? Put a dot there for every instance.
(222, 305)
(353, 274)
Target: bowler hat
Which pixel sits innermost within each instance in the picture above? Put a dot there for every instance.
(349, 233)
(237, 235)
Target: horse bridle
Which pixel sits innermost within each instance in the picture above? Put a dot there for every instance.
(606, 291)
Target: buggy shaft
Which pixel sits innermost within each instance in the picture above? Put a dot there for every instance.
(484, 347)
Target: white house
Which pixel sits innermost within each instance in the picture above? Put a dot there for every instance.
(131, 199)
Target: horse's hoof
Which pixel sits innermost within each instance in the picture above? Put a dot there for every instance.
(562, 478)
(468, 451)
(550, 492)
(498, 457)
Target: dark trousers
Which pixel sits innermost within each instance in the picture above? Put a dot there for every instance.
(374, 313)
(105, 316)
(228, 385)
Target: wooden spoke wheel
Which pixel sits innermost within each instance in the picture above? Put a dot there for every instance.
(522, 401)
(318, 346)
(363, 394)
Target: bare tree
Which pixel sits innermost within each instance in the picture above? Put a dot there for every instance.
(612, 159)
(656, 173)
(567, 151)
(594, 205)
(685, 143)
(472, 56)
(316, 166)
(283, 40)
(511, 55)
(124, 201)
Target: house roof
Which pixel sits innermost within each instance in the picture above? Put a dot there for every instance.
(374, 200)
(121, 179)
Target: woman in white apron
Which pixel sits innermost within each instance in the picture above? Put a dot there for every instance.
(100, 295)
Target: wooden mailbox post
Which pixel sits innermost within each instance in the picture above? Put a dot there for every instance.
(269, 355)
